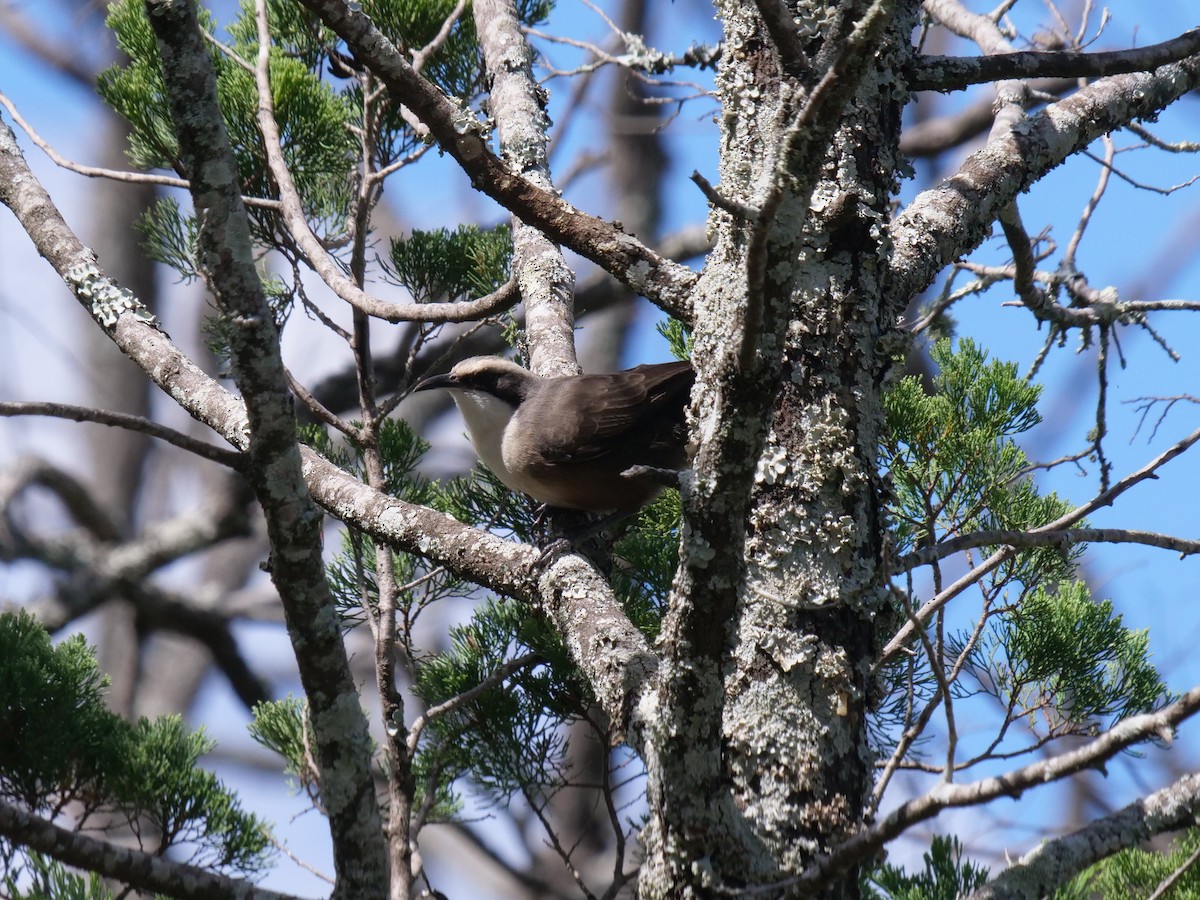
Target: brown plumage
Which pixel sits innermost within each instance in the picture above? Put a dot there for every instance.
(566, 441)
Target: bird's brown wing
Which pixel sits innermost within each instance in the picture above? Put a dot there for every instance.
(626, 418)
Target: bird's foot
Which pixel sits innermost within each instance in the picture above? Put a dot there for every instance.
(582, 540)
(551, 552)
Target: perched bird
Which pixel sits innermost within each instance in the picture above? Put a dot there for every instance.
(570, 441)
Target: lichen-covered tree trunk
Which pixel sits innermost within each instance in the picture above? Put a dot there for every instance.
(761, 761)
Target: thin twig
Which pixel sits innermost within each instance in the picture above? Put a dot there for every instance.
(467, 696)
(1141, 185)
(111, 174)
(321, 412)
(1105, 498)
(719, 200)
(299, 860)
(1101, 430)
(1145, 404)
(1180, 871)
(230, 458)
(419, 57)
(1068, 260)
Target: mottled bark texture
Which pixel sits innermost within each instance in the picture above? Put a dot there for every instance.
(517, 106)
(274, 470)
(760, 760)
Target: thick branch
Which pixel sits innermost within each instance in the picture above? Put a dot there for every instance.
(1054, 862)
(1011, 784)
(458, 132)
(136, 868)
(547, 283)
(953, 73)
(945, 222)
(343, 746)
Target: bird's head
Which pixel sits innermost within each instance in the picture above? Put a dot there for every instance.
(484, 376)
(487, 390)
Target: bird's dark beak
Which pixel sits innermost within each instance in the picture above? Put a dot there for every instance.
(436, 381)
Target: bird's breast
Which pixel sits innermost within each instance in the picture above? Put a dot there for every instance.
(487, 421)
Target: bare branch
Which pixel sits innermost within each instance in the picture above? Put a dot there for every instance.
(935, 135)
(951, 219)
(220, 455)
(110, 174)
(458, 132)
(1061, 538)
(1154, 141)
(343, 746)
(1024, 284)
(720, 201)
(1055, 861)
(318, 410)
(638, 59)
(1142, 185)
(547, 283)
(141, 870)
(982, 29)
(1096, 306)
(952, 73)
(1145, 404)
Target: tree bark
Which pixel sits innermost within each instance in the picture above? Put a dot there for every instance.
(771, 622)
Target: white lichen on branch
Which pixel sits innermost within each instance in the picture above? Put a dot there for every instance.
(107, 300)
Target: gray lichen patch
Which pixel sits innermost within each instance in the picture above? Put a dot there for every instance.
(107, 300)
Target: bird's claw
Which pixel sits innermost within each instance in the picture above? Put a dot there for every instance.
(551, 552)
